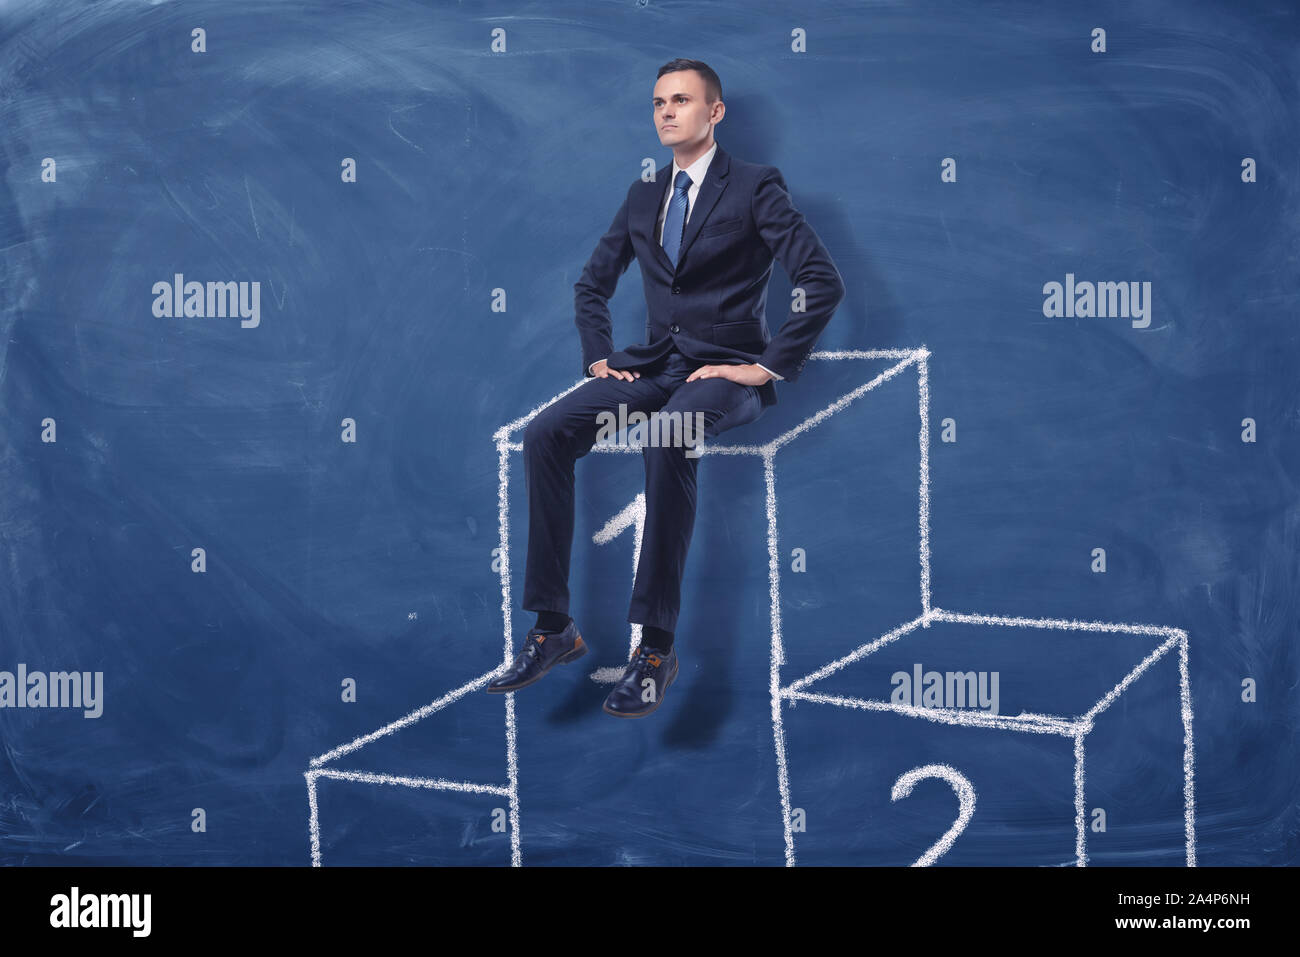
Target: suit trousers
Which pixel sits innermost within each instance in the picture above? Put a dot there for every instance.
(565, 431)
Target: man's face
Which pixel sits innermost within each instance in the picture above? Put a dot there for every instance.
(682, 117)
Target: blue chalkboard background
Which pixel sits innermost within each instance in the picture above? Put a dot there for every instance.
(481, 169)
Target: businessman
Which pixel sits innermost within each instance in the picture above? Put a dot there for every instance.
(704, 232)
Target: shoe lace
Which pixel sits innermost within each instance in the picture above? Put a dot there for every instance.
(532, 647)
(646, 660)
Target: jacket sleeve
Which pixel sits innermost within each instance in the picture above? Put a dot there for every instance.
(595, 287)
(805, 260)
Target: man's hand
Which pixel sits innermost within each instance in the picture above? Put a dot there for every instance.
(747, 374)
(603, 371)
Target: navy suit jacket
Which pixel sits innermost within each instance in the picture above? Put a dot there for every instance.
(713, 304)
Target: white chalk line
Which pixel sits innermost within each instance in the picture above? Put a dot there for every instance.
(814, 420)
(507, 644)
(366, 777)
(923, 519)
(869, 353)
(503, 543)
(503, 434)
(1108, 699)
(436, 784)
(512, 775)
(856, 655)
(1189, 755)
(419, 713)
(1080, 820)
(940, 614)
(313, 819)
(777, 656)
(1025, 721)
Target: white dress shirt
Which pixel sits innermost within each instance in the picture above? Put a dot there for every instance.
(696, 172)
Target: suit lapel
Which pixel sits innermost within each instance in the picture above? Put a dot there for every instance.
(652, 215)
(715, 181)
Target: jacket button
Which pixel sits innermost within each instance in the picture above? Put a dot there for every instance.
(673, 328)
(676, 290)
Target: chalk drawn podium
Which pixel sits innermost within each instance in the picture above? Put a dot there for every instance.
(1087, 759)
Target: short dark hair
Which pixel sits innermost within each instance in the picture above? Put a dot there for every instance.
(712, 85)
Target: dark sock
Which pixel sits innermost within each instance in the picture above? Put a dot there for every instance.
(656, 638)
(552, 621)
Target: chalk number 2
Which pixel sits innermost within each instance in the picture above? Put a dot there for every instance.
(965, 800)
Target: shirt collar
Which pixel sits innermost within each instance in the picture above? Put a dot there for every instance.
(697, 169)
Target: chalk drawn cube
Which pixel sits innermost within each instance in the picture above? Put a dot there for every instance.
(1072, 725)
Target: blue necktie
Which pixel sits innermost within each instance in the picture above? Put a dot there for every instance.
(675, 222)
